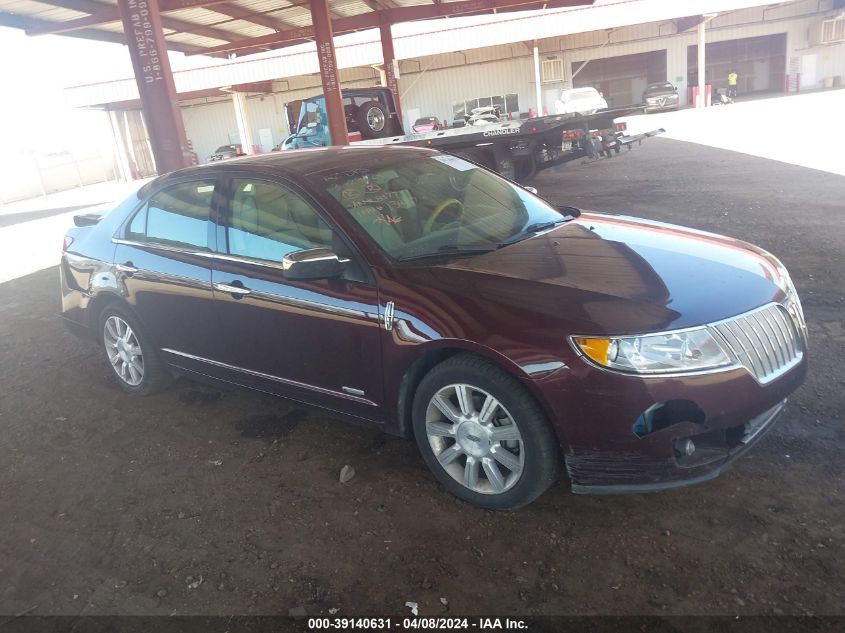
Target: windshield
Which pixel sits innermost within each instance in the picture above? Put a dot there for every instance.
(438, 204)
(582, 94)
(425, 121)
(660, 87)
(224, 148)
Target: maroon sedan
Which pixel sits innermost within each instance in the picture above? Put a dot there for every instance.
(436, 300)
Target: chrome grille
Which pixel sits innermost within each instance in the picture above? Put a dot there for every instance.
(765, 341)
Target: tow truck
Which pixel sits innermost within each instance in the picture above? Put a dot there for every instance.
(516, 148)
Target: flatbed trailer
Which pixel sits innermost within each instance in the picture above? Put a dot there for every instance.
(517, 148)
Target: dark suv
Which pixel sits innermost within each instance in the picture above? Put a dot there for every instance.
(661, 96)
(225, 152)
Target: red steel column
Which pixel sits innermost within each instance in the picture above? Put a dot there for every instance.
(391, 66)
(328, 71)
(148, 50)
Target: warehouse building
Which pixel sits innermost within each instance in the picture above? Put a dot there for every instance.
(447, 67)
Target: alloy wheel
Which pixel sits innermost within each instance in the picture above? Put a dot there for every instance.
(124, 351)
(475, 439)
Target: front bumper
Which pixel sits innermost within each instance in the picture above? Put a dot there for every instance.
(597, 415)
(715, 450)
(667, 104)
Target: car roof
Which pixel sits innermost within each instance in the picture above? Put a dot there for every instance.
(302, 162)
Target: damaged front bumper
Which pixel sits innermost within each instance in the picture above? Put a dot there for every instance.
(711, 452)
(622, 434)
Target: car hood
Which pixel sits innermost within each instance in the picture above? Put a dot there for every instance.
(607, 274)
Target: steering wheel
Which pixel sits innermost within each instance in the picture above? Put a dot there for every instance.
(439, 209)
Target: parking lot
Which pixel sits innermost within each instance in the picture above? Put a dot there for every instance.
(199, 502)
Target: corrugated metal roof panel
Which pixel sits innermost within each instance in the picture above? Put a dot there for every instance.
(193, 39)
(413, 41)
(263, 6)
(349, 7)
(198, 16)
(245, 28)
(293, 17)
(41, 11)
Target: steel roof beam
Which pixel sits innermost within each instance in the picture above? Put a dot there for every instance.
(101, 13)
(388, 16)
(261, 19)
(26, 23)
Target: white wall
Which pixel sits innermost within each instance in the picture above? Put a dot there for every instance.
(432, 84)
(28, 174)
(209, 125)
(434, 91)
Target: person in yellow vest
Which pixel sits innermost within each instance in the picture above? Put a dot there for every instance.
(732, 76)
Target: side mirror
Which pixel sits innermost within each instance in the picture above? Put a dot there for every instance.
(314, 263)
(532, 190)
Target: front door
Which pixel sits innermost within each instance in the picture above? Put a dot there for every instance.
(315, 341)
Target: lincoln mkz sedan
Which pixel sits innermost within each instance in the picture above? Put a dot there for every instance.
(416, 291)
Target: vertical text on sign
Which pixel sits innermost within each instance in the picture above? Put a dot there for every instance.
(144, 41)
(327, 67)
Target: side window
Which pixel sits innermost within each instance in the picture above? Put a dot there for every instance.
(177, 216)
(269, 221)
(138, 227)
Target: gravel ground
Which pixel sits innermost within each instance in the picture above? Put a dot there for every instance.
(199, 502)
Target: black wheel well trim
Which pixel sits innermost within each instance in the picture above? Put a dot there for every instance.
(433, 356)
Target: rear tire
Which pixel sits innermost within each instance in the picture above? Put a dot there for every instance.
(130, 354)
(482, 434)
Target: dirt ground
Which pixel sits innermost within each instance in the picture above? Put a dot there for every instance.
(198, 502)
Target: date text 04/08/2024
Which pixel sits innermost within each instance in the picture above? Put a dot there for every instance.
(416, 624)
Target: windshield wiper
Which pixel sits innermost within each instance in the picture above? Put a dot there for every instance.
(533, 229)
(447, 250)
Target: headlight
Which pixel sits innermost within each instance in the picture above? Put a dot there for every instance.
(683, 351)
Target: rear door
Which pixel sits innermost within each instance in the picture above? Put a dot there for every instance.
(163, 267)
(315, 341)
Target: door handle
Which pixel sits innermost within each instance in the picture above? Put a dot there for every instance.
(236, 291)
(127, 268)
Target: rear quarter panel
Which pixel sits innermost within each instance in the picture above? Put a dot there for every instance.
(86, 267)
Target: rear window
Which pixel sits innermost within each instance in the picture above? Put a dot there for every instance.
(177, 216)
(424, 121)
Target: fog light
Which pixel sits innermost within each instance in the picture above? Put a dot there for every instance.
(684, 448)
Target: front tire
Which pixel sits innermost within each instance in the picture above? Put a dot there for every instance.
(130, 354)
(483, 435)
